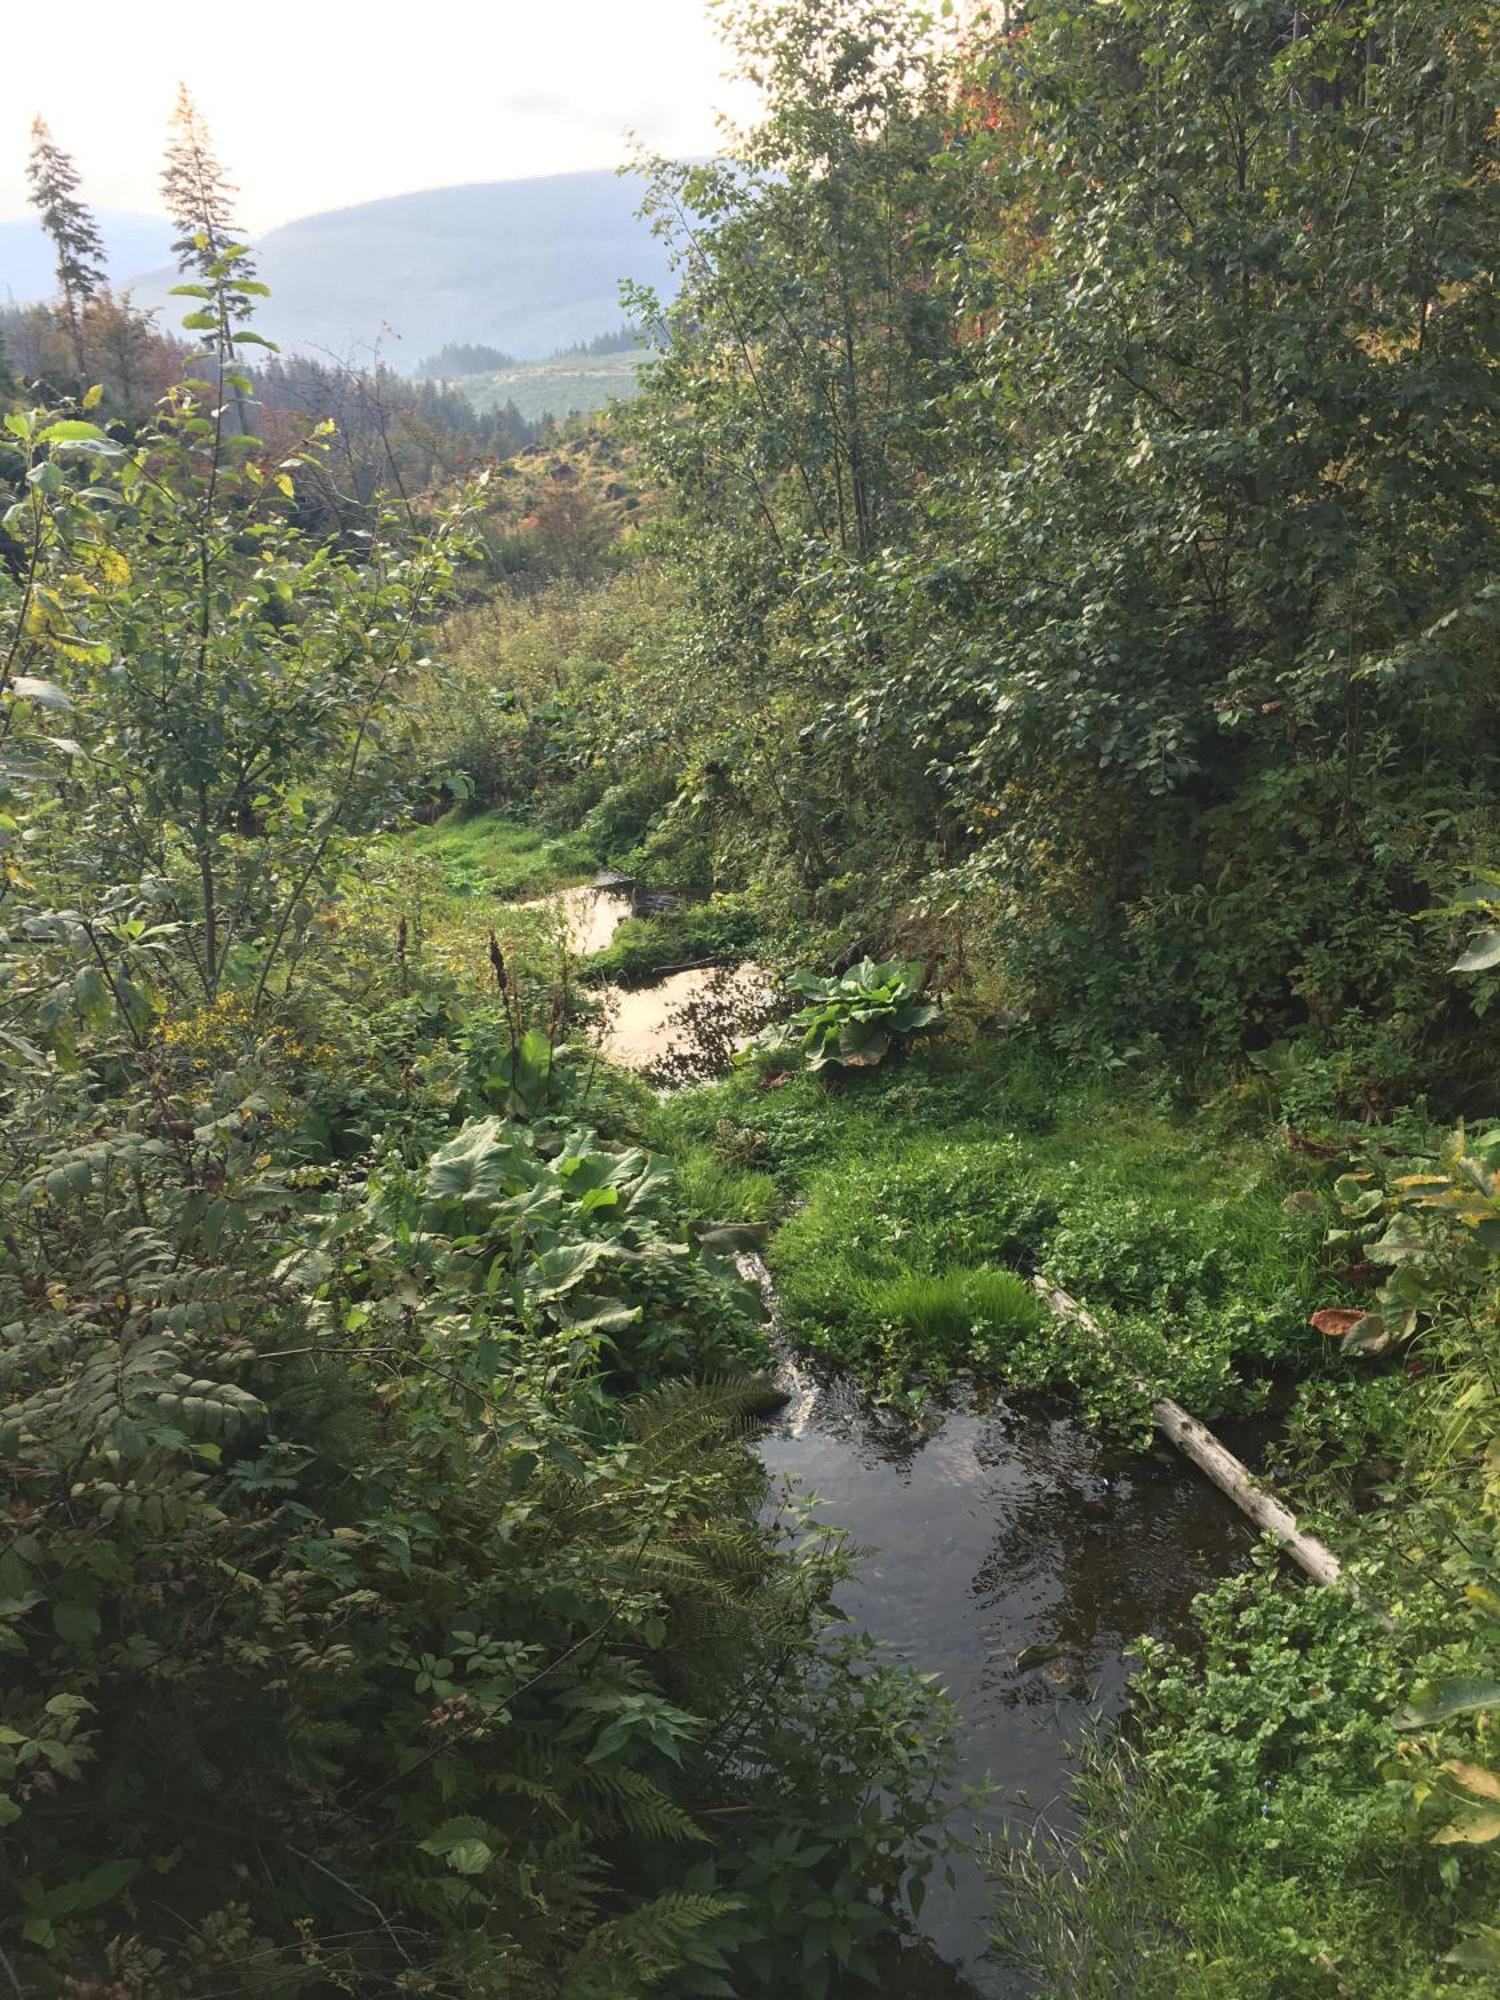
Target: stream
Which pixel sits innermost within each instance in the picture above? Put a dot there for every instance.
(641, 1019)
(1013, 1555)
(1007, 1551)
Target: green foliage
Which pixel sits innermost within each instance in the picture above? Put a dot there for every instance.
(387, 1602)
(483, 855)
(713, 1191)
(962, 1312)
(1157, 673)
(853, 1020)
(52, 182)
(1178, 1238)
(720, 932)
(887, 1264)
(1240, 1845)
(582, 1242)
(1319, 1790)
(251, 672)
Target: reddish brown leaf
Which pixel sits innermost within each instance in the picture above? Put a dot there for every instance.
(1336, 1321)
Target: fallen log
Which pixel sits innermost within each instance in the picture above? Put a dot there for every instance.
(1198, 1443)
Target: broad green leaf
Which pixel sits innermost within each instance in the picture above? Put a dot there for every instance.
(100, 1885)
(1483, 955)
(484, 1163)
(469, 1857)
(1477, 1832)
(1479, 1953)
(1442, 1699)
(557, 1271)
(1474, 1778)
(72, 430)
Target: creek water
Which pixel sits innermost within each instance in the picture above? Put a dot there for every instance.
(1016, 1558)
(1006, 1551)
(641, 1019)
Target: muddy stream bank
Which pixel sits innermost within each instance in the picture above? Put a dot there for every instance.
(1007, 1552)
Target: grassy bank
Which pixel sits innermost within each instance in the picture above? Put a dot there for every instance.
(914, 1196)
(485, 855)
(1300, 1806)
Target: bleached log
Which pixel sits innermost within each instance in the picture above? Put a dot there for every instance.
(1198, 1443)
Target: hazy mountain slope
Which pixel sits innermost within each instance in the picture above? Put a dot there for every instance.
(132, 244)
(529, 266)
(566, 385)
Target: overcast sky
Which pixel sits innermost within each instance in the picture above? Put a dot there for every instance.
(316, 104)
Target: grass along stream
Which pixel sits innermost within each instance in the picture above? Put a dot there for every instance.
(1007, 1551)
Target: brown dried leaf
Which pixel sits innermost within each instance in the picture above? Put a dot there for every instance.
(1336, 1321)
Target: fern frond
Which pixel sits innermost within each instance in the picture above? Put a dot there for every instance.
(639, 1806)
(650, 1940)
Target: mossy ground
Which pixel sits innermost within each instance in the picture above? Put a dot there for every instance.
(903, 1192)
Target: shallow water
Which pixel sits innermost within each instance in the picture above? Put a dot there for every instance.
(590, 916)
(993, 1534)
(992, 1530)
(641, 1019)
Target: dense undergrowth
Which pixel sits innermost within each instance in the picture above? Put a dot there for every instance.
(911, 1193)
(1265, 1823)
(1046, 594)
(385, 1603)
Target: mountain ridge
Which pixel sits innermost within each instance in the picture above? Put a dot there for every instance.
(530, 266)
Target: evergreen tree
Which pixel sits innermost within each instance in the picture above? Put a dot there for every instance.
(199, 198)
(75, 236)
(198, 194)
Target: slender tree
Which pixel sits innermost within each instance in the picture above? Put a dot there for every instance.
(199, 195)
(199, 198)
(54, 181)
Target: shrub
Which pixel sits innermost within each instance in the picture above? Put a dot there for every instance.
(854, 1020)
(720, 932)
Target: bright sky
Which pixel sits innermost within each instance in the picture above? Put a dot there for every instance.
(317, 104)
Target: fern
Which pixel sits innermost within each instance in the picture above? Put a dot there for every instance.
(628, 1798)
(651, 1942)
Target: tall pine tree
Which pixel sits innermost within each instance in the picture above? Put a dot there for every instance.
(75, 236)
(199, 198)
(198, 194)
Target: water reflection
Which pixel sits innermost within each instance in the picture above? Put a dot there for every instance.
(590, 916)
(642, 1021)
(1014, 1557)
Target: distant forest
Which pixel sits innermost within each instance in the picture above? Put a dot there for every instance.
(462, 357)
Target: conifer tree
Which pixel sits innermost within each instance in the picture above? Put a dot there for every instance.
(198, 194)
(75, 236)
(199, 198)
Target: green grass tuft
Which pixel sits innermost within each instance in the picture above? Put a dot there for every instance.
(712, 1191)
(483, 854)
(950, 1312)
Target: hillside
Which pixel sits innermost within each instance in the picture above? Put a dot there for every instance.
(564, 385)
(529, 266)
